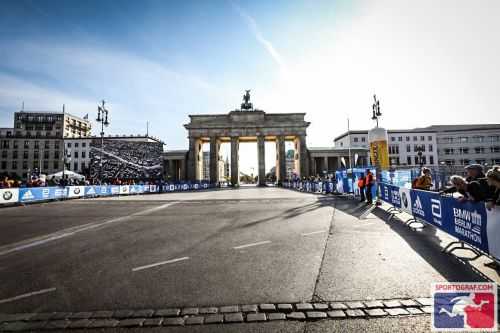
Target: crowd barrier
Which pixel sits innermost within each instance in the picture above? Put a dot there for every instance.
(310, 186)
(34, 194)
(471, 223)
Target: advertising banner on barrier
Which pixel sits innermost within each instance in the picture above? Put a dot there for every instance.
(466, 221)
(30, 194)
(427, 206)
(404, 194)
(75, 191)
(493, 231)
(9, 195)
(385, 192)
(395, 197)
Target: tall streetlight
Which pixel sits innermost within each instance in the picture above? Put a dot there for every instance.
(378, 146)
(102, 117)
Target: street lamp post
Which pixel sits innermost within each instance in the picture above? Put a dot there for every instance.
(102, 117)
(378, 172)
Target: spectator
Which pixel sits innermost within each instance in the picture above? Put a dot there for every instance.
(369, 181)
(361, 185)
(474, 172)
(493, 178)
(473, 191)
(424, 182)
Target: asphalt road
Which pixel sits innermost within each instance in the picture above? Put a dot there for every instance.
(252, 245)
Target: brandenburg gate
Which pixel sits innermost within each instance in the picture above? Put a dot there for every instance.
(244, 125)
(252, 125)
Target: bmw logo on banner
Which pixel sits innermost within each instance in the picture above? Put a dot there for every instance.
(404, 193)
(9, 195)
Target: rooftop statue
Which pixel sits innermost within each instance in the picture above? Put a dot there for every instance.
(246, 105)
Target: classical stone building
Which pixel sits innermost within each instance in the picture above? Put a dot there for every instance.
(251, 126)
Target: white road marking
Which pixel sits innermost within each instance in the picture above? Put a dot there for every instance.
(74, 230)
(314, 232)
(43, 291)
(251, 244)
(159, 264)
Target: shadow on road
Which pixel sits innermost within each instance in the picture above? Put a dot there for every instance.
(424, 242)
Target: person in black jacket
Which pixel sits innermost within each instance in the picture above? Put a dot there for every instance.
(476, 190)
(493, 178)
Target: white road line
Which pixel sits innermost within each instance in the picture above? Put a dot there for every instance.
(314, 232)
(159, 264)
(43, 291)
(74, 230)
(252, 244)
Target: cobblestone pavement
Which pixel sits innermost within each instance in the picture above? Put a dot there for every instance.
(228, 314)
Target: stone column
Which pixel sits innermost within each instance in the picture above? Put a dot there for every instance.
(325, 164)
(214, 159)
(235, 170)
(261, 157)
(300, 143)
(281, 165)
(193, 159)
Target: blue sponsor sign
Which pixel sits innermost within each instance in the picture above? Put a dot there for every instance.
(30, 194)
(385, 192)
(466, 221)
(395, 197)
(427, 206)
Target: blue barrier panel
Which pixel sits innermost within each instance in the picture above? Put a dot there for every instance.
(466, 221)
(31, 194)
(427, 206)
(385, 193)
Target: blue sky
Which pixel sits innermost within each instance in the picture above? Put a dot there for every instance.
(158, 61)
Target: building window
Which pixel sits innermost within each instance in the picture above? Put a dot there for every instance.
(495, 149)
(408, 148)
(47, 144)
(355, 139)
(83, 154)
(84, 144)
(25, 165)
(14, 154)
(363, 139)
(56, 145)
(4, 165)
(45, 165)
(45, 154)
(429, 138)
(5, 144)
(393, 139)
(25, 154)
(76, 154)
(448, 151)
(408, 160)
(479, 150)
(56, 165)
(422, 138)
(415, 138)
(69, 145)
(76, 144)
(15, 145)
(75, 166)
(416, 160)
(26, 144)
(431, 159)
(341, 144)
(494, 138)
(4, 153)
(407, 138)
(56, 154)
(463, 150)
(463, 139)
(36, 154)
(430, 148)
(14, 165)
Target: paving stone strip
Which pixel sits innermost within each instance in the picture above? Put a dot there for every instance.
(305, 311)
